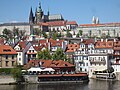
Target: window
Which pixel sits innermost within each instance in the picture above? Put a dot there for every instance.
(12, 56)
(6, 63)
(86, 64)
(12, 63)
(6, 56)
(19, 59)
(19, 54)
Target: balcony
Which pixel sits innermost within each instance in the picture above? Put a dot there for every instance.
(97, 61)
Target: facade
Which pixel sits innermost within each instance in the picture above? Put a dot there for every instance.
(41, 21)
(8, 56)
(99, 62)
(81, 55)
(104, 46)
(21, 48)
(97, 29)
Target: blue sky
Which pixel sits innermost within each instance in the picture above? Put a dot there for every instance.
(81, 11)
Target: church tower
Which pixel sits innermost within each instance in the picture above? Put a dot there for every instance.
(39, 14)
(93, 20)
(31, 17)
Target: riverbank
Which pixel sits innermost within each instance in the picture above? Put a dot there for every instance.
(7, 80)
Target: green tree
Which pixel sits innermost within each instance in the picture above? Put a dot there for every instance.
(79, 33)
(37, 31)
(68, 34)
(59, 55)
(44, 54)
(17, 73)
(7, 34)
(44, 35)
(15, 32)
(54, 36)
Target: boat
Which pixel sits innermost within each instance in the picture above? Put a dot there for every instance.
(105, 76)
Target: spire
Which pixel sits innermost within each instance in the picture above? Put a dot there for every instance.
(97, 20)
(48, 12)
(93, 20)
(39, 7)
(31, 17)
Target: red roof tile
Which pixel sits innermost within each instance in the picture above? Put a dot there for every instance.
(6, 49)
(71, 23)
(100, 25)
(104, 44)
(50, 63)
(56, 23)
(72, 47)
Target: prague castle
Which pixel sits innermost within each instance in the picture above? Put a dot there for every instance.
(41, 21)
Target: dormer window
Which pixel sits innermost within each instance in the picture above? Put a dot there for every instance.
(6, 50)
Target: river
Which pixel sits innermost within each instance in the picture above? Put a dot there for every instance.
(92, 85)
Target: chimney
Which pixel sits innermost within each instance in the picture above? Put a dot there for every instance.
(101, 40)
(106, 39)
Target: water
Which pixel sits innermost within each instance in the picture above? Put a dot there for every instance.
(92, 85)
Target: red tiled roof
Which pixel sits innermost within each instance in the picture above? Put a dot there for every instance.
(88, 41)
(100, 25)
(104, 44)
(22, 44)
(6, 49)
(72, 47)
(55, 42)
(71, 23)
(43, 24)
(50, 63)
(56, 23)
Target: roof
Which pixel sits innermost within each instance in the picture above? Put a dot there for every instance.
(6, 49)
(88, 41)
(43, 24)
(60, 75)
(15, 24)
(104, 44)
(55, 17)
(49, 63)
(72, 47)
(100, 25)
(71, 23)
(56, 23)
(55, 42)
(23, 44)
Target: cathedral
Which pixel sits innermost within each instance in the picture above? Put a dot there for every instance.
(39, 16)
(46, 22)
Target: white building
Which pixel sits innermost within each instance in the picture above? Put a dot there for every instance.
(99, 62)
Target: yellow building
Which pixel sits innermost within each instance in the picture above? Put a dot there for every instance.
(8, 56)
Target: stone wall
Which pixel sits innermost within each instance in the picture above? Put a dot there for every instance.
(5, 79)
(31, 78)
(118, 75)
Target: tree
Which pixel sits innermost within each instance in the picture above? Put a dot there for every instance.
(79, 33)
(37, 31)
(17, 73)
(7, 34)
(45, 54)
(15, 32)
(59, 55)
(54, 36)
(44, 35)
(68, 34)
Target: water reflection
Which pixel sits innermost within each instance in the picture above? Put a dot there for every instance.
(92, 85)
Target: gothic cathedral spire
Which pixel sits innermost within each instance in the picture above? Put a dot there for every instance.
(31, 17)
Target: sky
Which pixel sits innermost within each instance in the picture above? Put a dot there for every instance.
(81, 11)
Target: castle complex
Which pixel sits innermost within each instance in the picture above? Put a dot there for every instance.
(43, 22)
